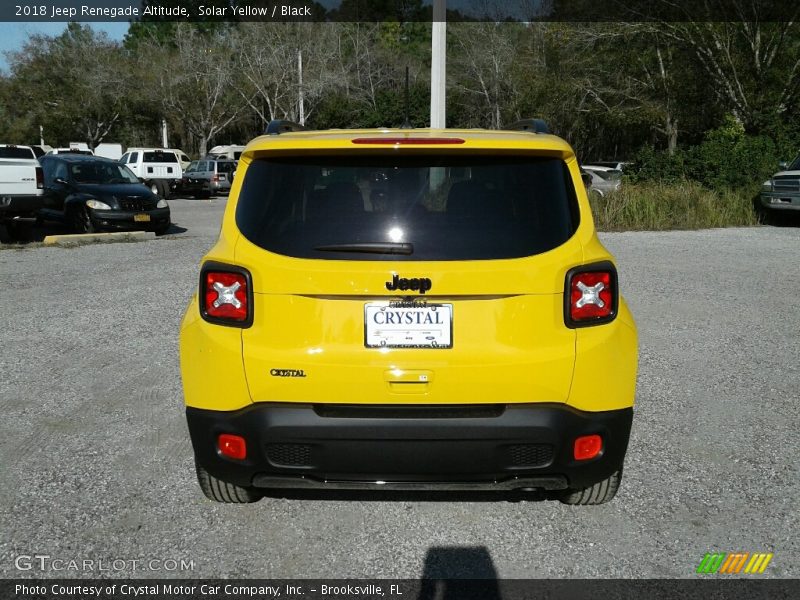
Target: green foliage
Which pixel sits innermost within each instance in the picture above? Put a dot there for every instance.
(337, 111)
(728, 158)
(657, 206)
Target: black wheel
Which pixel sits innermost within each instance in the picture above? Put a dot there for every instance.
(81, 221)
(17, 232)
(599, 493)
(221, 491)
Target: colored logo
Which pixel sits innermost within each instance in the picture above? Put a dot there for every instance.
(735, 562)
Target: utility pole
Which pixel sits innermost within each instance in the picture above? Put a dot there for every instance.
(164, 139)
(438, 64)
(300, 109)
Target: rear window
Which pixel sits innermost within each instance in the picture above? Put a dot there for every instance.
(12, 152)
(159, 157)
(431, 207)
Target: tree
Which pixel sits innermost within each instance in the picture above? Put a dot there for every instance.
(268, 59)
(193, 76)
(63, 84)
(482, 64)
(754, 65)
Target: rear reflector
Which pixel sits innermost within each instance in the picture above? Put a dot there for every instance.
(225, 295)
(590, 295)
(417, 141)
(587, 447)
(232, 446)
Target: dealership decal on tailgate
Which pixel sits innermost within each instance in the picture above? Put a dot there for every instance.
(408, 325)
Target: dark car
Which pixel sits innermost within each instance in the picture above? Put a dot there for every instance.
(90, 193)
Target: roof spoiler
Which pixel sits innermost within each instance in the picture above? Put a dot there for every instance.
(279, 126)
(531, 125)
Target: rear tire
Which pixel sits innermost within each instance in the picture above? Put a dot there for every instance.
(599, 493)
(17, 232)
(163, 188)
(222, 491)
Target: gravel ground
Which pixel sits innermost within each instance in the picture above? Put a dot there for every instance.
(97, 464)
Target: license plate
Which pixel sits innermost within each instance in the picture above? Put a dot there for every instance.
(408, 325)
(141, 218)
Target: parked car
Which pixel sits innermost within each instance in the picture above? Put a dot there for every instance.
(90, 193)
(208, 177)
(72, 150)
(109, 150)
(158, 169)
(781, 193)
(603, 181)
(231, 152)
(183, 158)
(40, 149)
(607, 165)
(409, 308)
(21, 188)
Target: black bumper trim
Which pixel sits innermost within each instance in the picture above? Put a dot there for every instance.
(462, 452)
(553, 482)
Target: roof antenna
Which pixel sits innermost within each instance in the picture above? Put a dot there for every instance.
(406, 123)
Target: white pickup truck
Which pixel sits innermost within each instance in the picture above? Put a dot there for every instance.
(21, 187)
(157, 168)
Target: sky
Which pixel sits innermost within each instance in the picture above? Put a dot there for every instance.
(14, 35)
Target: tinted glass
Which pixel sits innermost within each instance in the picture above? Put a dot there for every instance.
(795, 166)
(101, 172)
(192, 167)
(9, 152)
(225, 167)
(445, 207)
(159, 157)
(134, 157)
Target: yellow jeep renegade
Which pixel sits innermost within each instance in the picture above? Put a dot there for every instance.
(412, 309)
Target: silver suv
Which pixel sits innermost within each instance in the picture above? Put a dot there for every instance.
(208, 177)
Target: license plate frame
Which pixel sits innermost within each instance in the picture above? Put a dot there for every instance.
(416, 331)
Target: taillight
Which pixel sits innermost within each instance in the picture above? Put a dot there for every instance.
(590, 295)
(226, 295)
(39, 178)
(215, 178)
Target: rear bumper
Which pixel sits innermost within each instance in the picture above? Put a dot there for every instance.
(23, 205)
(410, 447)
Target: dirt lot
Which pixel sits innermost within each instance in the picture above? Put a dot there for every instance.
(97, 464)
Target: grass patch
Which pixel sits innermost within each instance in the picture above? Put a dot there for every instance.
(656, 206)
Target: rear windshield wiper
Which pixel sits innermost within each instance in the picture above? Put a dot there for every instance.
(370, 247)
